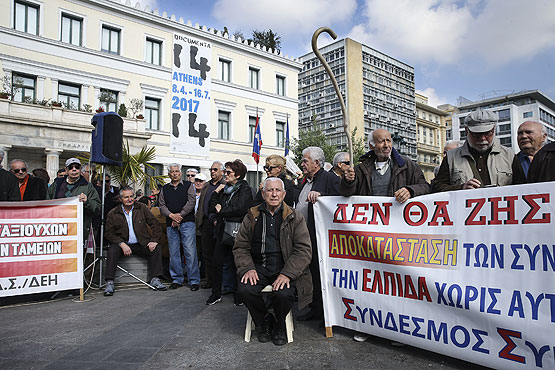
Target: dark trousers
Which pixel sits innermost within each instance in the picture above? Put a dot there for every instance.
(317, 304)
(282, 300)
(222, 254)
(154, 259)
(208, 245)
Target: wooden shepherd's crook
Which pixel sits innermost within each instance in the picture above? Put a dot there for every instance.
(346, 126)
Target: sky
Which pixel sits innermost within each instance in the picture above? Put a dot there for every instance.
(472, 48)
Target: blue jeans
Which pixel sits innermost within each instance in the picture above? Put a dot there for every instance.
(185, 236)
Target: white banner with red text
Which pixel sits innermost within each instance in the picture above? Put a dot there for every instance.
(469, 274)
(41, 246)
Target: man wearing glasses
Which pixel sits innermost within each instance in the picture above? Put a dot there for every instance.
(190, 174)
(30, 187)
(74, 185)
(205, 224)
(482, 161)
(341, 162)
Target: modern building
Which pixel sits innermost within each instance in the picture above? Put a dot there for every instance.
(190, 91)
(378, 91)
(512, 110)
(430, 127)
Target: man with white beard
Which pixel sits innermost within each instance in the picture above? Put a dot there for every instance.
(481, 162)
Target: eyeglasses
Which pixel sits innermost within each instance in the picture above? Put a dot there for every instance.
(190, 175)
(74, 166)
(348, 163)
(269, 168)
(18, 170)
(214, 169)
(229, 172)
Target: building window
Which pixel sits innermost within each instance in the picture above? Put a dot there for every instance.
(223, 125)
(253, 77)
(69, 95)
(23, 88)
(527, 114)
(153, 51)
(108, 100)
(110, 40)
(280, 134)
(252, 127)
(152, 113)
(26, 17)
(504, 114)
(71, 30)
(225, 70)
(506, 141)
(280, 85)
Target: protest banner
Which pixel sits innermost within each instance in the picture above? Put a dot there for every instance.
(41, 246)
(469, 274)
(191, 94)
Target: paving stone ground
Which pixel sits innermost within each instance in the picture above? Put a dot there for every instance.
(139, 328)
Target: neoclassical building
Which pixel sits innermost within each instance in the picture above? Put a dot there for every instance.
(430, 127)
(200, 90)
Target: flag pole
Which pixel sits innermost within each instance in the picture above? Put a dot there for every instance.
(258, 143)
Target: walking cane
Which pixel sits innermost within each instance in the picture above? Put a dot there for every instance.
(346, 126)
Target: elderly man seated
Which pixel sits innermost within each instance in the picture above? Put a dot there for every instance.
(127, 233)
(273, 247)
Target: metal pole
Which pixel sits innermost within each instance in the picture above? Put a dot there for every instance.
(346, 126)
(102, 228)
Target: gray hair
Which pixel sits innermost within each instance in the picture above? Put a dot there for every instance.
(174, 165)
(192, 170)
(125, 188)
(268, 179)
(18, 160)
(316, 154)
(371, 141)
(222, 167)
(340, 157)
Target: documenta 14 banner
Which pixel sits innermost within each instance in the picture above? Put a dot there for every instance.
(41, 246)
(469, 274)
(191, 90)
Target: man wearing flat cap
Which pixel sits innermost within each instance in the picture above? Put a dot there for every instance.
(75, 185)
(481, 161)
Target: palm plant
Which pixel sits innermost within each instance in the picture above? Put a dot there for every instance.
(133, 170)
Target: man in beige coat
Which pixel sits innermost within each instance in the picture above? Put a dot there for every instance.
(273, 247)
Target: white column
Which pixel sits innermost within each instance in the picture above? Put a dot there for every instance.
(52, 162)
(40, 87)
(121, 99)
(5, 161)
(84, 94)
(54, 90)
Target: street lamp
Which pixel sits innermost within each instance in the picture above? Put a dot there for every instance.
(399, 142)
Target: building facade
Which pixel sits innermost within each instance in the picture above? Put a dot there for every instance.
(69, 59)
(512, 110)
(430, 125)
(378, 91)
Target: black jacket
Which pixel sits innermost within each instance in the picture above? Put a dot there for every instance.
(325, 183)
(234, 206)
(542, 167)
(9, 188)
(35, 189)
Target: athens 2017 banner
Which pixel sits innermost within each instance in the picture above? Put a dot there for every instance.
(41, 246)
(190, 105)
(470, 274)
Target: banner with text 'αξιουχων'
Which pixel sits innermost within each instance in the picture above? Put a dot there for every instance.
(41, 246)
(469, 274)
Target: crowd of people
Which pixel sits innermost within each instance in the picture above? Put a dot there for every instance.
(225, 236)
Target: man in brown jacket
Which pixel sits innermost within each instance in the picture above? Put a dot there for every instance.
(273, 248)
(127, 234)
